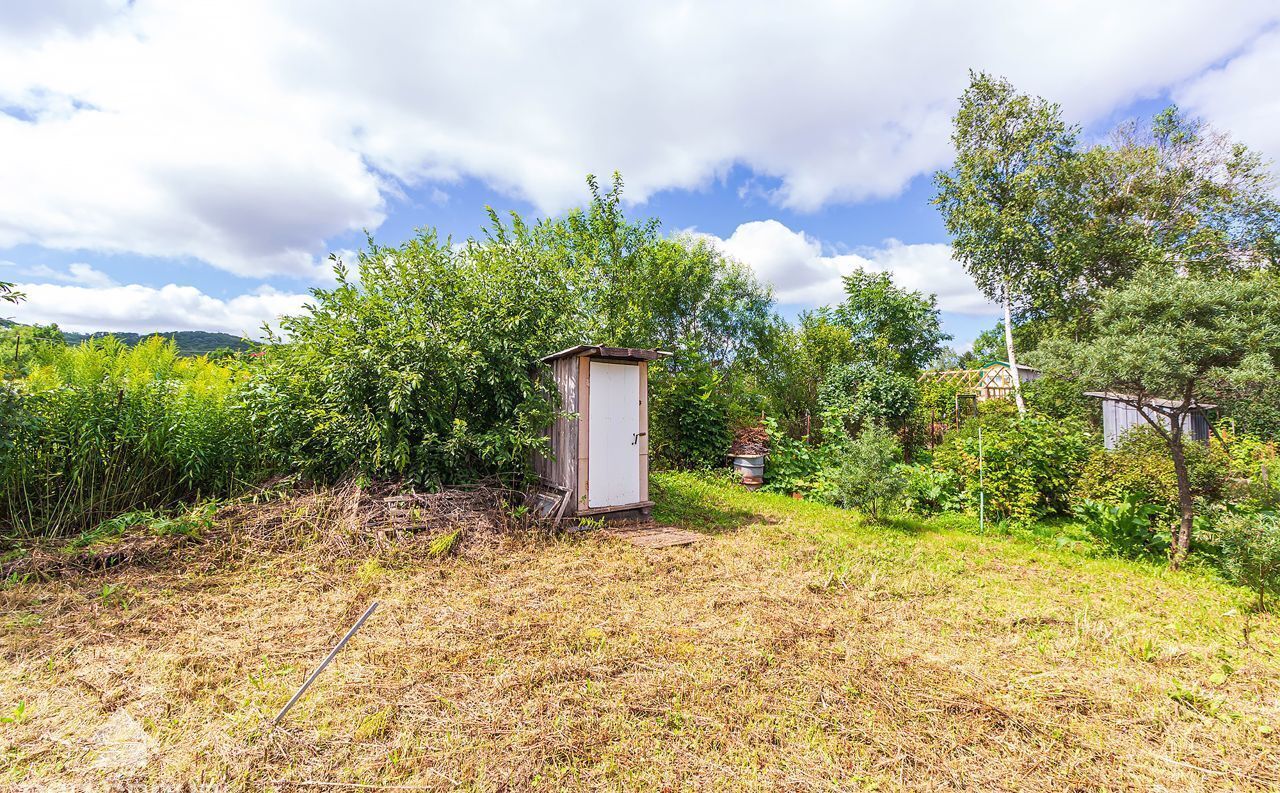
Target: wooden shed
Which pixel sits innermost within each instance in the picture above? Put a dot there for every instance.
(600, 442)
(1120, 414)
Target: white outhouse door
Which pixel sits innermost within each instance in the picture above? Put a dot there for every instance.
(613, 435)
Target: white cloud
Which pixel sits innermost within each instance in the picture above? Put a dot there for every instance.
(77, 273)
(86, 275)
(1243, 95)
(804, 274)
(138, 308)
(245, 133)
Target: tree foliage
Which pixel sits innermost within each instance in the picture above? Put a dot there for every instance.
(425, 364)
(1004, 200)
(803, 357)
(894, 327)
(1188, 197)
(1184, 339)
(9, 293)
(855, 396)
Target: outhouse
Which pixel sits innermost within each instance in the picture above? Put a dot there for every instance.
(600, 441)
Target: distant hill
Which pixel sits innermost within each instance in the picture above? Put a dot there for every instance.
(190, 342)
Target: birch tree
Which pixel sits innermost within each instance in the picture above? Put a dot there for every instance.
(1008, 195)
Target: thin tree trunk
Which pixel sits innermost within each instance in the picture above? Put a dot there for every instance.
(1180, 543)
(1013, 359)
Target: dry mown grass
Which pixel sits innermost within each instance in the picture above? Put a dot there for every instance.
(792, 649)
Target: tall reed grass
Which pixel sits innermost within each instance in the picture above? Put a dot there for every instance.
(98, 429)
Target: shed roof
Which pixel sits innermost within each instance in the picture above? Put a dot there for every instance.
(1005, 364)
(601, 351)
(1164, 403)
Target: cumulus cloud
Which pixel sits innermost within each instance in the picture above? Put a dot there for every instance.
(246, 133)
(78, 273)
(1243, 95)
(805, 273)
(138, 308)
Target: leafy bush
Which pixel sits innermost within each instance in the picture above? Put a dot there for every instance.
(102, 429)
(866, 472)
(1250, 547)
(689, 424)
(858, 395)
(1030, 463)
(1140, 466)
(1059, 398)
(928, 491)
(792, 464)
(1255, 471)
(1129, 528)
(1256, 410)
(937, 404)
(423, 368)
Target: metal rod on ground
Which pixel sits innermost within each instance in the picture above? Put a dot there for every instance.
(312, 677)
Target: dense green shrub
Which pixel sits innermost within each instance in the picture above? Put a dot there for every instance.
(689, 424)
(100, 429)
(928, 491)
(23, 346)
(1255, 410)
(865, 473)
(1059, 398)
(792, 465)
(937, 400)
(855, 396)
(425, 367)
(1140, 465)
(1250, 547)
(1030, 463)
(1254, 484)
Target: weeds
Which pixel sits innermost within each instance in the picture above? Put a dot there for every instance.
(95, 433)
(445, 544)
(16, 716)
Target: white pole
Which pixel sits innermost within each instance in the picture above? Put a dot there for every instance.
(982, 488)
(312, 677)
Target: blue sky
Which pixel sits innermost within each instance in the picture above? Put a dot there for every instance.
(188, 166)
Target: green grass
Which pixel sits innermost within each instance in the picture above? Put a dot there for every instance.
(796, 646)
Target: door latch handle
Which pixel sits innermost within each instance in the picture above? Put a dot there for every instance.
(635, 437)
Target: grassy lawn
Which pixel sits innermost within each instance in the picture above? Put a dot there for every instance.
(794, 647)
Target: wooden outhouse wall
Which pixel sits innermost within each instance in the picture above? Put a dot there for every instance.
(560, 468)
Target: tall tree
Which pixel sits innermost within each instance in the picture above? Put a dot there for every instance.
(640, 289)
(1168, 192)
(894, 327)
(1003, 200)
(1167, 344)
(1191, 198)
(799, 363)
